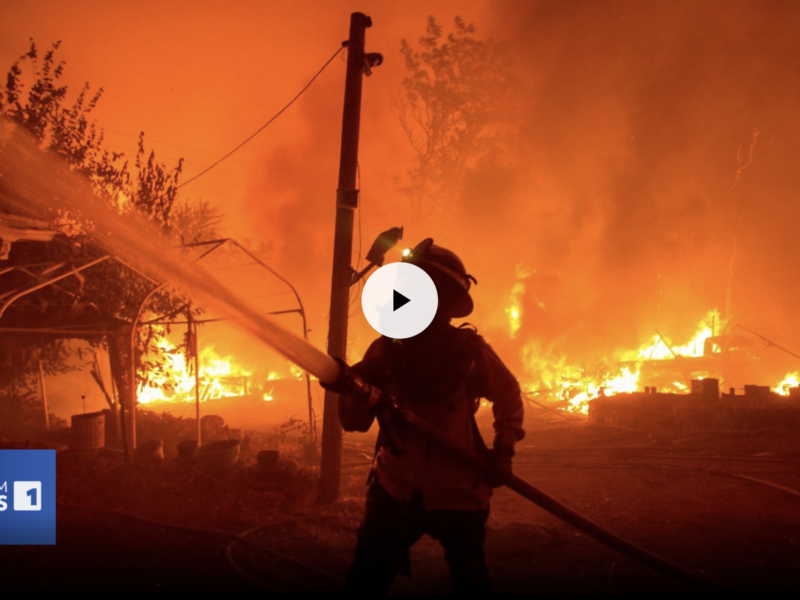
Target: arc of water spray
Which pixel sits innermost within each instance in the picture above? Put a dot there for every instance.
(33, 180)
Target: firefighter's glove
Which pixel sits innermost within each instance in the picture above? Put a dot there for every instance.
(351, 384)
(498, 466)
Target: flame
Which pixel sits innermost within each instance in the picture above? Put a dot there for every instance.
(297, 372)
(576, 386)
(514, 311)
(791, 380)
(679, 386)
(170, 376)
(662, 349)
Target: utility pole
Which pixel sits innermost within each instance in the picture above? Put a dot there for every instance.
(346, 203)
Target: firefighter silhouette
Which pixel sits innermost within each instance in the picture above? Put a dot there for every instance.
(440, 375)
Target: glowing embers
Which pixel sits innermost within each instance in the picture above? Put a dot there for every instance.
(168, 375)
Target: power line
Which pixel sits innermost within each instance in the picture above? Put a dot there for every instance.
(265, 125)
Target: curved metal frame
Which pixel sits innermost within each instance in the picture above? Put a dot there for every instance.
(130, 441)
(136, 323)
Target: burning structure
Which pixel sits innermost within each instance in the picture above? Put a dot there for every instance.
(659, 367)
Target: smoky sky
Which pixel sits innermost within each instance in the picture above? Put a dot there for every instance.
(618, 192)
(638, 118)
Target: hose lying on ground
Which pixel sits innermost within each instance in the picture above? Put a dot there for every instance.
(523, 488)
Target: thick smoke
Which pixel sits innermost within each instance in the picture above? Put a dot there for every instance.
(662, 138)
(649, 180)
(650, 177)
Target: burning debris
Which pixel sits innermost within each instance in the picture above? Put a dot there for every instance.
(790, 386)
(657, 365)
(652, 364)
(168, 376)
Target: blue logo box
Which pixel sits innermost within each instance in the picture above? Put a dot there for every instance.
(28, 497)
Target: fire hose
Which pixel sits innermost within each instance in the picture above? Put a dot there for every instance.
(336, 374)
(351, 383)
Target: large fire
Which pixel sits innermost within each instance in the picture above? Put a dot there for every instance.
(170, 376)
(576, 385)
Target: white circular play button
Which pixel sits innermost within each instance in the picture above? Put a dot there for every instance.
(399, 300)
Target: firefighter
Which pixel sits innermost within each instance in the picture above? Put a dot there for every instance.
(440, 375)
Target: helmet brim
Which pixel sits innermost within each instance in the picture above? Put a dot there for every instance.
(463, 306)
(459, 302)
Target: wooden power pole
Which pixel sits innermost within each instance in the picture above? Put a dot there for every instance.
(346, 204)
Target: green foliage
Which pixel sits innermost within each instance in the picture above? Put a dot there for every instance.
(453, 105)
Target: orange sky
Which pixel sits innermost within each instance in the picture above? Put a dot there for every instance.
(619, 199)
(198, 77)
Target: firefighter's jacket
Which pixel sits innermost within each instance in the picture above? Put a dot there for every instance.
(440, 375)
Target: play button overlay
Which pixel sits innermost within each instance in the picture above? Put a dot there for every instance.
(399, 300)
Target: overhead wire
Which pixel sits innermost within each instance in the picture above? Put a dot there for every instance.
(265, 125)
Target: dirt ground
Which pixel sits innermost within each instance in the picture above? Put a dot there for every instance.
(725, 504)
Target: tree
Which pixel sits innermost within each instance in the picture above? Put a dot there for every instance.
(453, 106)
(108, 294)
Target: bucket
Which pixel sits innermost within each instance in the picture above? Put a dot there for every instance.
(88, 432)
(149, 451)
(218, 457)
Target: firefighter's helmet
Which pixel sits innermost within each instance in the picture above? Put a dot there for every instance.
(448, 273)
